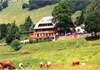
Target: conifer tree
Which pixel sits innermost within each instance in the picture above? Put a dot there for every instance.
(92, 18)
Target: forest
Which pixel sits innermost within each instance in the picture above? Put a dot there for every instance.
(35, 4)
(76, 5)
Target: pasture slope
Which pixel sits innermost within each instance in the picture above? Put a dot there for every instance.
(15, 12)
(60, 53)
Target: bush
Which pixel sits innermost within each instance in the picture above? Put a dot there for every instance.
(39, 41)
(31, 41)
(16, 45)
(0, 8)
(5, 4)
(35, 41)
(25, 5)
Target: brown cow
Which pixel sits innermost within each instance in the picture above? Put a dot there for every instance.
(75, 62)
(6, 65)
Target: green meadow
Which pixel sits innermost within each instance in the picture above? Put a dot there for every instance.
(75, 15)
(58, 52)
(15, 12)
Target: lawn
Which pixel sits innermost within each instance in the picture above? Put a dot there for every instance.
(60, 53)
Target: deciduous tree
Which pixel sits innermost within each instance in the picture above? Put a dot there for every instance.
(62, 15)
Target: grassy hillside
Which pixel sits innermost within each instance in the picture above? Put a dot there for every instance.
(15, 12)
(58, 52)
(75, 15)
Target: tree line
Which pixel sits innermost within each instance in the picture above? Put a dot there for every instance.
(12, 32)
(35, 4)
(75, 5)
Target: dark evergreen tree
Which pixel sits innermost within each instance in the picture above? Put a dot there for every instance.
(92, 23)
(13, 33)
(92, 18)
(35, 4)
(3, 30)
(27, 25)
(92, 6)
(80, 19)
(25, 5)
(76, 5)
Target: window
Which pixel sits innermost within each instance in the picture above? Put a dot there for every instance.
(37, 35)
(46, 34)
(43, 34)
(49, 24)
(40, 34)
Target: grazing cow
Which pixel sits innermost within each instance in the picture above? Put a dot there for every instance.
(6, 68)
(6, 65)
(48, 65)
(75, 62)
(41, 65)
(20, 65)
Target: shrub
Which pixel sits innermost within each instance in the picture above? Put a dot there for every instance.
(25, 5)
(35, 41)
(45, 40)
(5, 4)
(0, 8)
(31, 41)
(16, 45)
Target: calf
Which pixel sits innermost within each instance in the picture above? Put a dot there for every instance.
(75, 62)
(20, 65)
